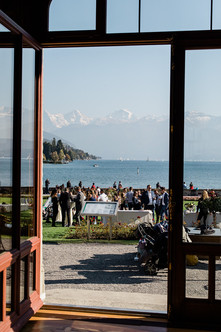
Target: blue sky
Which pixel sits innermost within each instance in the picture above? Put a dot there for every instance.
(203, 81)
(122, 15)
(103, 80)
(98, 81)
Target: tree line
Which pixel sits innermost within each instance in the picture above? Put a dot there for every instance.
(58, 152)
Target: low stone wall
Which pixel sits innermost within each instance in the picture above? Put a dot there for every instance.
(190, 219)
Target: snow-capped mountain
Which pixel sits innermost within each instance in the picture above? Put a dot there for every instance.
(112, 135)
(63, 120)
(122, 134)
(77, 118)
(198, 118)
(122, 115)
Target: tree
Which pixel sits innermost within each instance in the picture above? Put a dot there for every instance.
(53, 145)
(54, 156)
(60, 146)
(61, 155)
(63, 151)
(67, 157)
(47, 149)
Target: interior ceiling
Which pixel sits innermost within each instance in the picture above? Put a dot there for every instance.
(31, 15)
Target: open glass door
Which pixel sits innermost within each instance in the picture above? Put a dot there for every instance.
(20, 174)
(194, 226)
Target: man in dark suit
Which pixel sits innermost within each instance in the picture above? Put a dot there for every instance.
(148, 198)
(79, 201)
(164, 203)
(65, 202)
(47, 182)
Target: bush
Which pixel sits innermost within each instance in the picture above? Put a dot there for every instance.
(212, 204)
(101, 232)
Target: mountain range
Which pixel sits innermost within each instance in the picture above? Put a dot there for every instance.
(121, 134)
(117, 135)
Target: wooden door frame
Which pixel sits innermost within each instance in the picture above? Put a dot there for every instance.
(22, 311)
(181, 308)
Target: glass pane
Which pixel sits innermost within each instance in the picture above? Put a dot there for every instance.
(3, 29)
(32, 272)
(23, 282)
(122, 16)
(127, 103)
(202, 154)
(9, 279)
(27, 148)
(6, 134)
(218, 279)
(72, 15)
(216, 14)
(175, 15)
(196, 276)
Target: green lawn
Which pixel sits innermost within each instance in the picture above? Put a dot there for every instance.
(53, 234)
(57, 234)
(6, 199)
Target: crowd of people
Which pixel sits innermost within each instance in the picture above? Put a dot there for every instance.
(156, 200)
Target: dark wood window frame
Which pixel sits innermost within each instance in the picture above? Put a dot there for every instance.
(22, 311)
(179, 307)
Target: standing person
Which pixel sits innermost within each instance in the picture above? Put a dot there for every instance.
(90, 197)
(157, 185)
(65, 202)
(115, 185)
(54, 200)
(116, 198)
(164, 203)
(157, 205)
(80, 184)
(136, 201)
(93, 186)
(129, 198)
(120, 185)
(191, 186)
(122, 196)
(203, 212)
(147, 199)
(47, 182)
(79, 201)
(98, 191)
(103, 197)
(69, 184)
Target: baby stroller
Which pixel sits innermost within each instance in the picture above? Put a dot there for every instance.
(47, 211)
(152, 247)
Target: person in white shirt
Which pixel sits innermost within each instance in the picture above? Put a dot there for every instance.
(129, 198)
(103, 197)
(148, 199)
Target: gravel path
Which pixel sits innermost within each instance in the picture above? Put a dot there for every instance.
(111, 267)
(99, 267)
